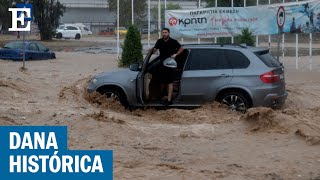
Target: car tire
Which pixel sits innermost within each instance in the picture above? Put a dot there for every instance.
(117, 94)
(59, 36)
(235, 101)
(77, 36)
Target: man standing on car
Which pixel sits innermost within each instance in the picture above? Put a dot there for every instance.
(168, 47)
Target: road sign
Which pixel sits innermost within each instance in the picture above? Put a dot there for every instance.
(281, 17)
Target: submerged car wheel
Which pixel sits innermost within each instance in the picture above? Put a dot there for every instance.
(113, 96)
(235, 101)
(116, 95)
(77, 36)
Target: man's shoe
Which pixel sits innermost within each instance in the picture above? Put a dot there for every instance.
(165, 98)
(166, 103)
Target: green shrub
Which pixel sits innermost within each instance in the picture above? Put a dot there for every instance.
(246, 37)
(224, 40)
(132, 48)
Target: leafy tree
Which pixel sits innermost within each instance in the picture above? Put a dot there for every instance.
(5, 15)
(224, 40)
(245, 37)
(47, 14)
(170, 6)
(125, 10)
(132, 48)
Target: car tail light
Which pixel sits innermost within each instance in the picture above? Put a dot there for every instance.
(269, 77)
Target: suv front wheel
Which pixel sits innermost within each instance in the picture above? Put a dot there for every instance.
(116, 95)
(235, 101)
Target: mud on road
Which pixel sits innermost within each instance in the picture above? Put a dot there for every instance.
(204, 143)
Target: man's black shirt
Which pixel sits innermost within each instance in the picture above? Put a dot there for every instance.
(167, 48)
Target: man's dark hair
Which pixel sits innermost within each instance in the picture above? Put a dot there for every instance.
(166, 29)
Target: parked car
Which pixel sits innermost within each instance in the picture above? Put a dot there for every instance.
(84, 29)
(122, 31)
(235, 75)
(33, 51)
(144, 29)
(106, 33)
(68, 32)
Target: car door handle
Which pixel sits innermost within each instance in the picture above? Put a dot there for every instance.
(132, 80)
(225, 75)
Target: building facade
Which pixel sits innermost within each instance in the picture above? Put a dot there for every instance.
(96, 15)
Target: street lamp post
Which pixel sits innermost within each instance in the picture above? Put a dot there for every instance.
(148, 23)
(118, 38)
(159, 18)
(24, 45)
(132, 18)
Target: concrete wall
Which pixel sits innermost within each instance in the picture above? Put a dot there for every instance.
(95, 18)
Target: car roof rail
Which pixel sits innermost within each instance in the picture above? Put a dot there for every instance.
(242, 45)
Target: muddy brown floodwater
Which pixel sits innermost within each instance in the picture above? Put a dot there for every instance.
(204, 143)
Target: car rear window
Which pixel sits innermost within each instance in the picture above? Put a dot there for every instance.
(268, 59)
(237, 59)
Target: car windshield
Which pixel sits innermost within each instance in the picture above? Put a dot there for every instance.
(42, 47)
(122, 28)
(14, 45)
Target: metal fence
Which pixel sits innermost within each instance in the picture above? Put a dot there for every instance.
(292, 46)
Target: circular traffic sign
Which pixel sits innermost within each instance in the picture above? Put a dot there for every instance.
(281, 17)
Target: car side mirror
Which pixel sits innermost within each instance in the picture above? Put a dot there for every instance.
(135, 67)
(47, 50)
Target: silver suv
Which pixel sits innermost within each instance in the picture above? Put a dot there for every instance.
(238, 76)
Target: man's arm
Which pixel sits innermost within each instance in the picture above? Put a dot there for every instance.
(153, 50)
(179, 52)
(156, 47)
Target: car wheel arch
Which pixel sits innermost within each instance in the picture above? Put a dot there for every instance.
(243, 91)
(120, 89)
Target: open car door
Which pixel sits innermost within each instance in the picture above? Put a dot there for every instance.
(140, 79)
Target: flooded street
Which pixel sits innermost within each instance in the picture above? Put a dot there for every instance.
(204, 143)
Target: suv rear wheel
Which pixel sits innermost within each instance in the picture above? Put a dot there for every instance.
(235, 101)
